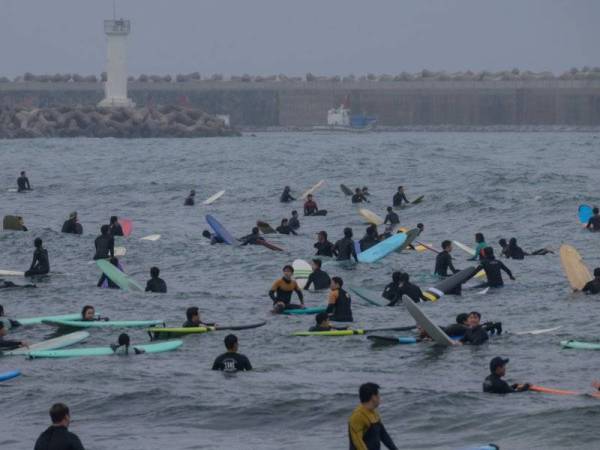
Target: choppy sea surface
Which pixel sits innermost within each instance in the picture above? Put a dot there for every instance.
(302, 389)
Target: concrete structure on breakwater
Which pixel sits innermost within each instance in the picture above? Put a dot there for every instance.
(460, 104)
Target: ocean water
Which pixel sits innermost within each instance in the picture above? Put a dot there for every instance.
(526, 185)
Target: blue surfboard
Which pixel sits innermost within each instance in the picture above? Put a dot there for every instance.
(9, 375)
(382, 249)
(220, 230)
(585, 212)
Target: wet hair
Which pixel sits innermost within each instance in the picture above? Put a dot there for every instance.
(388, 209)
(104, 229)
(84, 310)
(446, 244)
(357, 190)
(462, 318)
(294, 213)
(338, 281)
(230, 341)
(154, 272)
(396, 276)
(348, 232)
(420, 226)
(124, 339)
(286, 188)
(192, 192)
(22, 172)
(309, 196)
(255, 230)
(595, 210)
(400, 187)
(283, 221)
(366, 391)
(288, 267)
(475, 313)
(371, 230)
(324, 234)
(37, 242)
(113, 219)
(502, 242)
(404, 277)
(191, 312)
(321, 317)
(206, 234)
(365, 188)
(317, 262)
(479, 237)
(596, 274)
(58, 412)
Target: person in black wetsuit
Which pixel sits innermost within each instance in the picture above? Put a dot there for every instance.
(213, 238)
(105, 244)
(365, 191)
(322, 323)
(512, 250)
(390, 292)
(475, 334)
(194, 320)
(231, 360)
(318, 277)
(405, 287)
(391, 217)
(339, 305)
(310, 206)
(115, 262)
(285, 228)
(286, 197)
(399, 197)
(370, 238)
(57, 436)
(443, 262)
(493, 269)
(504, 246)
(23, 183)
(253, 238)
(459, 328)
(494, 384)
(114, 228)
(5, 344)
(294, 223)
(358, 196)
(156, 284)
(593, 287)
(40, 264)
(323, 246)
(189, 200)
(594, 221)
(282, 289)
(344, 248)
(72, 225)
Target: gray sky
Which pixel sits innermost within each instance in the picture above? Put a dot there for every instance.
(298, 36)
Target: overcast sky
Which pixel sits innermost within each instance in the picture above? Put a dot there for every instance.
(298, 36)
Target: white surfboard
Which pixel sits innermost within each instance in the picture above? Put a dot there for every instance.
(51, 344)
(151, 237)
(302, 270)
(534, 332)
(12, 190)
(312, 190)
(370, 216)
(11, 273)
(485, 291)
(213, 198)
(425, 322)
(466, 248)
(120, 251)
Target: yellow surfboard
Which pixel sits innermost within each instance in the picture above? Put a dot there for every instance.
(575, 269)
(370, 216)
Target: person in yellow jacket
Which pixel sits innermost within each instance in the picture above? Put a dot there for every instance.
(365, 430)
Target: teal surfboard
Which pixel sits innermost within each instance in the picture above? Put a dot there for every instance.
(50, 344)
(160, 347)
(118, 277)
(382, 249)
(316, 310)
(103, 323)
(39, 320)
(580, 345)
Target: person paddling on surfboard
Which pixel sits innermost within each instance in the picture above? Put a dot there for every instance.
(512, 250)
(23, 183)
(358, 197)
(294, 222)
(310, 206)
(286, 197)
(405, 287)
(71, 225)
(593, 287)
(115, 228)
(156, 284)
(213, 238)
(494, 384)
(323, 246)
(399, 197)
(282, 289)
(192, 315)
(594, 221)
(318, 277)
(493, 269)
(344, 248)
(105, 244)
(285, 228)
(189, 200)
(339, 303)
(231, 360)
(40, 264)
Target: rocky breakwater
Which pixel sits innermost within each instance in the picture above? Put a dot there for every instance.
(154, 122)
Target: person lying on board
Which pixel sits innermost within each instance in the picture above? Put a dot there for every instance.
(115, 228)
(285, 228)
(319, 278)
(294, 222)
(512, 250)
(358, 197)
(399, 197)
(494, 384)
(286, 197)
(310, 206)
(370, 239)
(594, 221)
(282, 289)
(194, 320)
(6, 344)
(593, 287)
(339, 305)
(493, 269)
(323, 246)
(344, 248)
(213, 238)
(405, 287)
(155, 283)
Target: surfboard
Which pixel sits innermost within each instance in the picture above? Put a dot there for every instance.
(368, 296)
(11, 273)
(151, 237)
(302, 270)
(11, 223)
(265, 228)
(295, 312)
(370, 216)
(269, 245)
(118, 277)
(50, 344)
(545, 390)
(580, 345)
(346, 190)
(448, 284)
(127, 226)
(160, 347)
(411, 235)
(424, 322)
(213, 198)
(417, 200)
(382, 249)
(312, 190)
(220, 230)
(466, 248)
(392, 339)
(5, 376)
(585, 213)
(536, 332)
(39, 320)
(426, 247)
(484, 291)
(86, 324)
(329, 333)
(575, 269)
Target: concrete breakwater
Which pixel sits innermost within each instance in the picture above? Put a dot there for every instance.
(87, 121)
(511, 103)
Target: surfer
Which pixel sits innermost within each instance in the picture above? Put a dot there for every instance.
(391, 217)
(370, 238)
(323, 246)
(494, 384)
(344, 248)
(21, 224)
(253, 238)
(310, 206)
(156, 284)
(593, 287)
(294, 223)
(5, 344)
(282, 289)
(88, 314)
(365, 429)
(399, 197)
(213, 238)
(475, 333)
(189, 201)
(286, 197)
(105, 244)
(57, 435)
(122, 345)
(459, 328)
(192, 315)
(443, 262)
(104, 281)
(231, 360)
(339, 305)
(322, 323)
(115, 228)
(72, 225)
(365, 191)
(318, 277)
(391, 290)
(285, 228)
(493, 269)
(405, 287)
(40, 264)
(594, 221)
(358, 196)
(480, 240)
(512, 250)
(23, 183)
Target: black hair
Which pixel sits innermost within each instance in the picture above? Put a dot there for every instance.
(230, 341)
(396, 277)
(206, 234)
(294, 212)
(321, 317)
(317, 262)
(113, 219)
(420, 226)
(37, 242)
(475, 313)
(400, 187)
(512, 242)
(288, 267)
(462, 318)
(348, 232)
(22, 172)
(404, 277)
(324, 234)
(284, 220)
(596, 274)
(502, 242)
(479, 237)
(84, 310)
(255, 230)
(366, 391)
(191, 311)
(389, 209)
(338, 281)
(58, 412)
(104, 229)
(446, 244)
(154, 272)
(124, 339)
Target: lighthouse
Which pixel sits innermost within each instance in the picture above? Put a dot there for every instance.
(115, 88)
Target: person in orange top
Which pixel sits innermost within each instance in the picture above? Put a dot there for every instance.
(365, 430)
(282, 289)
(339, 305)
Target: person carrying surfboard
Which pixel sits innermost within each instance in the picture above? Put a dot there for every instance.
(40, 264)
(23, 183)
(286, 196)
(365, 429)
(310, 206)
(443, 262)
(358, 197)
(594, 221)
(319, 278)
(282, 289)
(115, 228)
(72, 225)
(156, 284)
(339, 303)
(494, 384)
(189, 200)
(105, 244)
(493, 269)
(58, 435)
(323, 246)
(399, 197)
(231, 360)
(344, 248)
(593, 287)
(104, 281)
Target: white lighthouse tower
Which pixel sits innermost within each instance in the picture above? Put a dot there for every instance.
(115, 88)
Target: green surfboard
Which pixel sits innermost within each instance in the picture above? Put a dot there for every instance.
(118, 277)
(160, 347)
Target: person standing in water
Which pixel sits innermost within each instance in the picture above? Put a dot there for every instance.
(40, 264)
(493, 269)
(72, 225)
(399, 197)
(286, 196)
(294, 222)
(323, 246)
(310, 206)
(105, 244)
(344, 248)
(156, 284)
(23, 183)
(594, 221)
(115, 228)
(318, 277)
(189, 201)
(57, 436)
(359, 197)
(391, 217)
(231, 360)
(494, 384)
